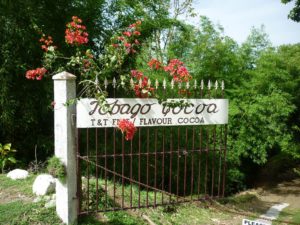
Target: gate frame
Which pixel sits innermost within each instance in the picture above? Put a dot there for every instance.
(67, 196)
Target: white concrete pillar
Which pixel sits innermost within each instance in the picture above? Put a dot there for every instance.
(65, 145)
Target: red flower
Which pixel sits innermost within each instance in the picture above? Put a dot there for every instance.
(46, 42)
(37, 74)
(178, 71)
(75, 33)
(127, 45)
(115, 45)
(127, 33)
(137, 74)
(121, 38)
(154, 64)
(127, 127)
(132, 51)
(141, 87)
(136, 42)
(132, 25)
(137, 33)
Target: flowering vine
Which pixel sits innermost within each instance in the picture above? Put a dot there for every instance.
(90, 69)
(75, 32)
(128, 128)
(178, 71)
(37, 74)
(129, 38)
(46, 42)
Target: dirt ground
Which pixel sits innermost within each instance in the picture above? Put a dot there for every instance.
(267, 196)
(13, 195)
(286, 192)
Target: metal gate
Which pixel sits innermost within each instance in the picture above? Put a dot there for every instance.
(160, 166)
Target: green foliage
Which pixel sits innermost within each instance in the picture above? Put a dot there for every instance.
(6, 156)
(56, 168)
(26, 117)
(262, 82)
(208, 53)
(262, 85)
(235, 179)
(256, 43)
(295, 12)
(263, 125)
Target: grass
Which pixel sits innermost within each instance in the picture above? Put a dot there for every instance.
(17, 208)
(110, 218)
(20, 213)
(196, 213)
(21, 186)
(291, 215)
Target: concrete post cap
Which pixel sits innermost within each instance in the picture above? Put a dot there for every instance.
(64, 76)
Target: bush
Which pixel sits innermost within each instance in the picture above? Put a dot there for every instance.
(57, 169)
(6, 156)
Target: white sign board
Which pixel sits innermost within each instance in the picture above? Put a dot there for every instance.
(250, 222)
(148, 112)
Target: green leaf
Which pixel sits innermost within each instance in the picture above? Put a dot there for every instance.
(12, 160)
(7, 146)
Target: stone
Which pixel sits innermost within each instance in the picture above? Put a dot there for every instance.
(44, 184)
(38, 199)
(47, 198)
(50, 204)
(17, 174)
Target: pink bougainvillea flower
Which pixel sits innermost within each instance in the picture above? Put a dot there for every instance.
(136, 33)
(178, 71)
(132, 51)
(141, 87)
(132, 25)
(127, 33)
(128, 128)
(154, 64)
(76, 19)
(37, 74)
(75, 33)
(46, 42)
(136, 42)
(127, 45)
(137, 74)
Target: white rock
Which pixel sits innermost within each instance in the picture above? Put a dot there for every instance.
(43, 184)
(38, 199)
(17, 174)
(50, 204)
(46, 198)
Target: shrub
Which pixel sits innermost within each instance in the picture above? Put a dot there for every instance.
(56, 168)
(6, 156)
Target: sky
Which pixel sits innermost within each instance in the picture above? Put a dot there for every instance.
(239, 16)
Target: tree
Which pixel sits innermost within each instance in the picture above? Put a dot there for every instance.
(256, 43)
(295, 12)
(26, 117)
(212, 55)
